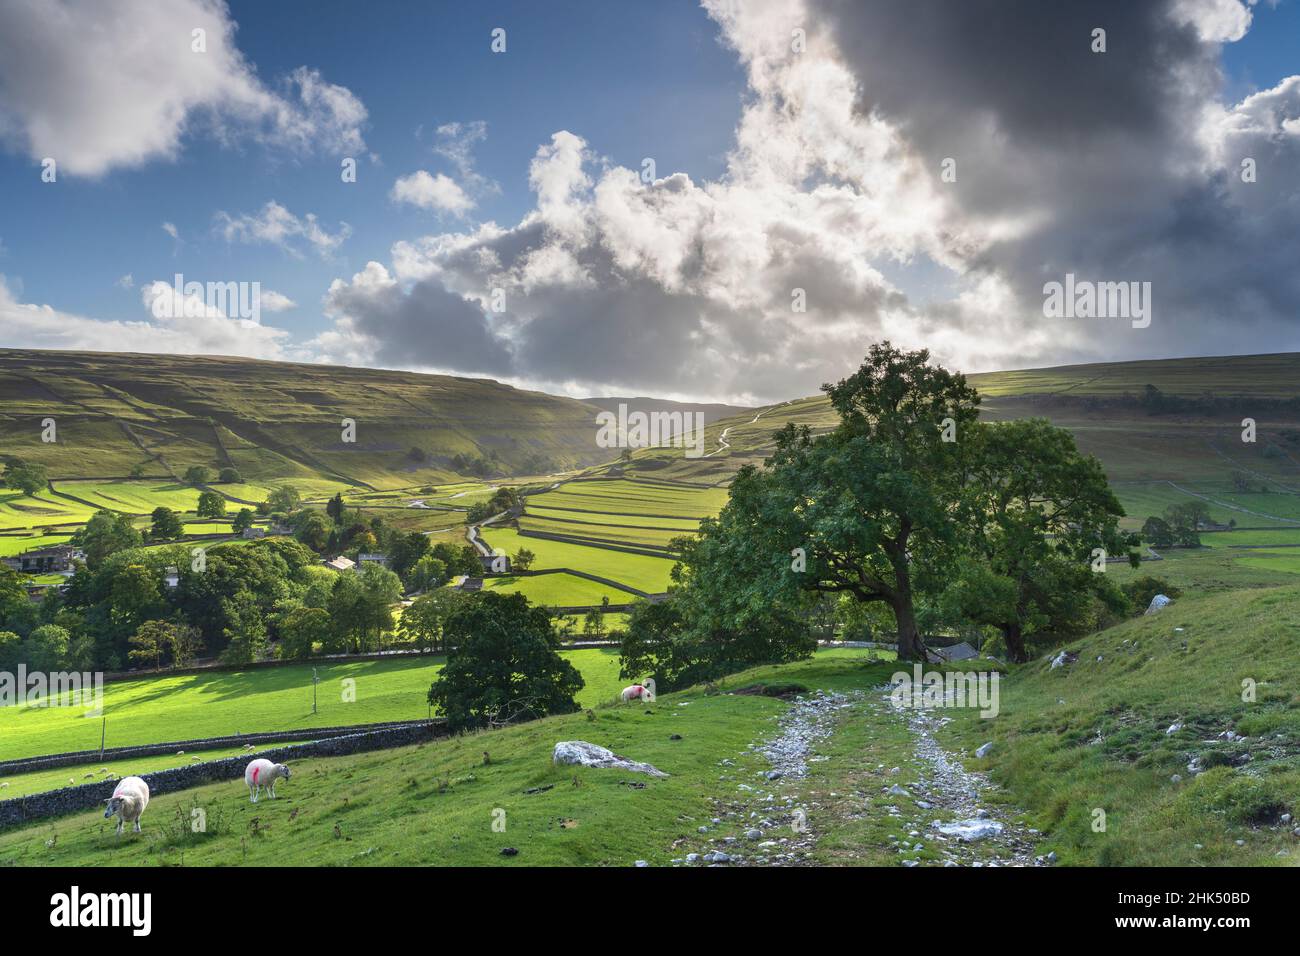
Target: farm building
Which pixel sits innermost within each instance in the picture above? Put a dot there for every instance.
(254, 532)
(341, 563)
(379, 559)
(495, 563)
(56, 558)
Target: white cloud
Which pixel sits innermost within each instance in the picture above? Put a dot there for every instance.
(273, 301)
(101, 86)
(435, 193)
(277, 226)
(126, 282)
(171, 230)
(196, 331)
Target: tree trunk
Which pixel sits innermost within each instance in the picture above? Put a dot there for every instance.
(911, 645)
(1016, 652)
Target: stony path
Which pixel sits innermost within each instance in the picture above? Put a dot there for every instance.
(945, 807)
(776, 832)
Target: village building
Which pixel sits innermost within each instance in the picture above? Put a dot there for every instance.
(379, 559)
(55, 559)
(341, 563)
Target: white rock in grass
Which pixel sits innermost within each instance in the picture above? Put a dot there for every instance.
(983, 751)
(592, 755)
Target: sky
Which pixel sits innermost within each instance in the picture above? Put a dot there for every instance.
(726, 201)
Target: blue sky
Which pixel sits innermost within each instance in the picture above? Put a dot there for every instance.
(798, 148)
(656, 83)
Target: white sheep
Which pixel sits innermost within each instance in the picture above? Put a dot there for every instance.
(130, 797)
(638, 692)
(262, 773)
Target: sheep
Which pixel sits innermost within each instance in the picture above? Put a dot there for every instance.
(127, 803)
(4, 786)
(637, 692)
(196, 759)
(262, 773)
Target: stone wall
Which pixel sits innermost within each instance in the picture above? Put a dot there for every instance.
(74, 757)
(87, 796)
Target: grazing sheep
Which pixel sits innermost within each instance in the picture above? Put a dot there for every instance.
(4, 786)
(262, 773)
(127, 803)
(195, 759)
(637, 692)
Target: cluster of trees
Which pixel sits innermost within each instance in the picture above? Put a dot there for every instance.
(503, 499)
(27, 477)
(480, 466)
(271, 597)
(1179, 527)
(910, 503)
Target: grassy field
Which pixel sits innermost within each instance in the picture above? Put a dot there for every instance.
(558, 590)
(435, 803)
(156, 709)
(643, 572)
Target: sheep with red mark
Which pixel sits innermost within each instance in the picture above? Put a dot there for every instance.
(130, 797)
(261, 775)
(638, 692)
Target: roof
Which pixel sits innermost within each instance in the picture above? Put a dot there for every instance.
(341, 563)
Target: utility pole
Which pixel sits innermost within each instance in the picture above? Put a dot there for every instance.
(314, 681)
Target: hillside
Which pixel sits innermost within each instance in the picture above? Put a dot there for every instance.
(1114, 731)
(275, 420)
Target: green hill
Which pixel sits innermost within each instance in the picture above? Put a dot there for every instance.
(275, 420)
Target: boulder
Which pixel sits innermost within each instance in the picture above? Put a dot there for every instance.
(969, 831)
(1063, 658)
(592, 755)
(1157, 602)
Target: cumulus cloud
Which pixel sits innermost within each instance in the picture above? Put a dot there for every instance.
(189, 327)
(275, 225)
(435, 193)
(273, 301)
(101, 86)
(377, 321)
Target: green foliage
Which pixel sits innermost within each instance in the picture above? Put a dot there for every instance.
(503, 665)
(198, 475)
(211, 505)
(166, 525)
(1140, 591)
(105, 534)
(245, 629)
(230, 476)
(424, 619)
(27, 477)
(284, 498)
(242, 521)
(301, 629)
(523, 560)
